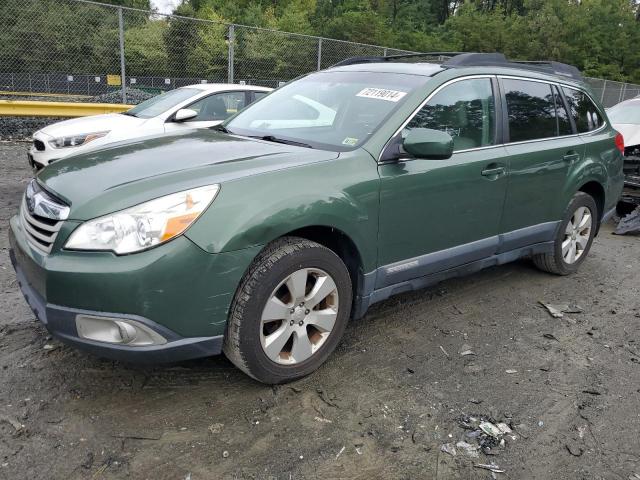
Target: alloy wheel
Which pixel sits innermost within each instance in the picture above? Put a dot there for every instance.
(577, 235)
(299, 316)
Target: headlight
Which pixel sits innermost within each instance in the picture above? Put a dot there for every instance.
(144, 225)
(76, 140)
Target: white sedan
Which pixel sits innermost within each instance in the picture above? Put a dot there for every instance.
(194, 106)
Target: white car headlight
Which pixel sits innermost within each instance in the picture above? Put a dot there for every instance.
(145, 225)
(76, 140)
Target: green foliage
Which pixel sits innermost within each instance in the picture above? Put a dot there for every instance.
(599, 36)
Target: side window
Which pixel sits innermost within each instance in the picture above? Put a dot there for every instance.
(531, 110)
(465, 110)
(259, 95)
(584, 112)
(218, 106)
(564, 124)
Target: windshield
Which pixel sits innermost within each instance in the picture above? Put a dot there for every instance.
(328, 110)
(161, 103)
(629, 113)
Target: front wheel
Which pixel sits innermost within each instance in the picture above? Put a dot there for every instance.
(574, 238)
(289, 312)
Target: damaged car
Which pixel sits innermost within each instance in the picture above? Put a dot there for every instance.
(625, 118)
(263, 237)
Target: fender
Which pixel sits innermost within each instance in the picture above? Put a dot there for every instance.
(602, 164)
(254, 210)
(583, 173)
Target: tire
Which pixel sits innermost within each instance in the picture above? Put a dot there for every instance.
(556, 262)
(257, 316)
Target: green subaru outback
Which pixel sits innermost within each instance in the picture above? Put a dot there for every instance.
(263, 237)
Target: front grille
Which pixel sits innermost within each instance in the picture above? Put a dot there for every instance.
(39, 144)
(41, 232)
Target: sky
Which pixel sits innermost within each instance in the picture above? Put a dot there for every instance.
(164, 6)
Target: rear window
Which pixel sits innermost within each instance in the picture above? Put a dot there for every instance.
(531, 110)
(584, 112)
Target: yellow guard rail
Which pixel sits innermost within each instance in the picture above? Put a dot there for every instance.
(27, 108)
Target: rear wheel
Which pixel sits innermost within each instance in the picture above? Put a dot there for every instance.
(289, 312)
(574, 238)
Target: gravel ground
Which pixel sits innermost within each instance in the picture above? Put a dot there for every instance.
(383, 405)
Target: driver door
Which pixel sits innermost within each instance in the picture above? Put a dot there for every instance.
(438, 214)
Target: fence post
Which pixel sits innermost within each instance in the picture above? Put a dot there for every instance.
(623, 90)
(319, 53)
(123, 81)
(604, 87)
(230, 40)
(384, 53)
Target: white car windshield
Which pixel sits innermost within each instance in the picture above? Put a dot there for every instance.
(158, 105)
(629, 113)
(326, 110)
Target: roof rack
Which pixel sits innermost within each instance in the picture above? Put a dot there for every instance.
(388, 58)
(470, 59)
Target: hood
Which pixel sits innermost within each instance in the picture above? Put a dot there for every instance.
(93, 123)
(630, 132)
(128, 173)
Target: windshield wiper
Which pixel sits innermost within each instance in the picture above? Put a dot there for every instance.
(129, 114)
(271, 138)
(221, 128)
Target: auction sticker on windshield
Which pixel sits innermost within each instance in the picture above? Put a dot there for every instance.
(381, 94)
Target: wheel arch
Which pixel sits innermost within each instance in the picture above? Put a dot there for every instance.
(339, 243)
(597, 192)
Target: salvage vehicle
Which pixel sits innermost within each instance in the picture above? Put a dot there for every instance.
(195, 106)
(625, 118)
(262, 237)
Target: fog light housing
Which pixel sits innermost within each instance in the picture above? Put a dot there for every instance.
(122, 331)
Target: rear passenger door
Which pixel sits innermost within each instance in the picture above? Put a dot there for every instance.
(541, 145)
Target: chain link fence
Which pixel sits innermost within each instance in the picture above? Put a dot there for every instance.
(84, 48)
(80, 47)
(610, 92)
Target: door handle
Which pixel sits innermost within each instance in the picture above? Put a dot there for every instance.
(571, 157)
(493, 172)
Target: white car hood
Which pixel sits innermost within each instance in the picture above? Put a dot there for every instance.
(94, 123)
(630, 132)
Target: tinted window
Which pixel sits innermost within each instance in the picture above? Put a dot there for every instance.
(531, 110)
(584, 112)
(564, 124)
(219, 106)
(259, 95)
(465, 110)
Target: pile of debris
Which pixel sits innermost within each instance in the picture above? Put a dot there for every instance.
(482, 435)
(630, 224)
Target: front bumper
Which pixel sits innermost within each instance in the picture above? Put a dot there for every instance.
(41, 158)
(60, 322)
(176, 290)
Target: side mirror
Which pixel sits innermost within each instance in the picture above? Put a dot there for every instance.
(184, 114)
(429, 144)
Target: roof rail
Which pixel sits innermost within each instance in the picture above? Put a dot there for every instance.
(374, 59)
(556, 68)
(471, 59)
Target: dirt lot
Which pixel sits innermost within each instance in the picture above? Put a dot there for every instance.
(382, 407)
